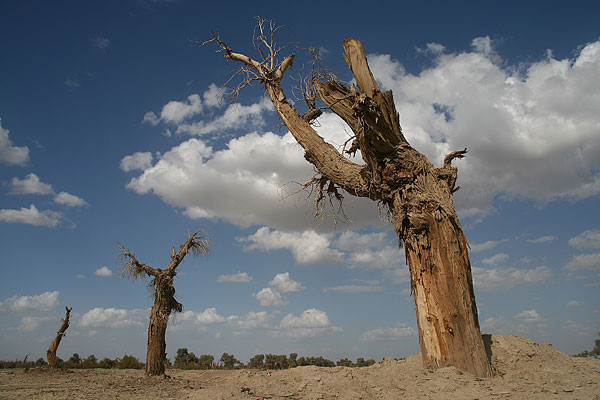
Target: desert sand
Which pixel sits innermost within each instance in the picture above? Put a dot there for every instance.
(526, 370)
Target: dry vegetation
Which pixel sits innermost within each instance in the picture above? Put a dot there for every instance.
(526, 370)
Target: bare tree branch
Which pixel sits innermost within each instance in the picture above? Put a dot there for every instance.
(196, 243)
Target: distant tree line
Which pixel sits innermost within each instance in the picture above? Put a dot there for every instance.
(76, 362)
(185, 359)
(595, 352)
(188, 360)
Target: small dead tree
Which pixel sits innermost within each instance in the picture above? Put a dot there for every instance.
(164, 295)
(417, 195)
(62, 331)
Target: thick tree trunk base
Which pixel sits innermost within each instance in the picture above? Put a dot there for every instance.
(442, 287)
(51, 353)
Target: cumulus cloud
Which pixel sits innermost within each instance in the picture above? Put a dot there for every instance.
(213, 97)
(240, 277)
(543, 239)
(252, 320)
(179, 115)
(32, 216)
(397, 332)
(248, 182)
(350, 240)
(31, 323)
(113, 318)
(310, 323)
(586, 240)
(506, 278)
(528, 316)
(354, 289)
(9, 154)
(42, 302)
(269, 297)
(136, 161)
(209, 316)
(584, 262)
(176, 111)
(532, 131)
(490, 244)
(284, 284)
(574, 304)
(101, 42)
(236, 116)
(308, 247)
(104, 272)
(72, 83)
(30, 185)
(495, 259)
(69, 200)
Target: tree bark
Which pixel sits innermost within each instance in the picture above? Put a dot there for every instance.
(418, 196)
(164, 296)
(51, 353)
(164, 302)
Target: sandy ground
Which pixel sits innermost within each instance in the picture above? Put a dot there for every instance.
(527, 370)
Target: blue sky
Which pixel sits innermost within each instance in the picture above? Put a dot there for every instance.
(113, 129)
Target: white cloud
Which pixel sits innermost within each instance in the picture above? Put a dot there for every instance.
(386, 257)
(584, 262)
(586, 240)
(104, 272)
(213, 97)
(310, 323)
(101, 42)
(495, 259)
(209, 316)
(308, 247)
(136, 161)
(269, 297)
(506, 278)
(32, 216)
(30, 323)
(354, 289)
(9, 154)
(236, 116)
(42, 302)
(531, 132)
(176, 111)
(528, 316)
(574, 304)
(240, 277)
(504, 327)
(284, 284)
(30, 185)
(113, 318)
(397, 332)
(543, 239)
(72, 83)
(350, 240)
(249, 182)
(252, 320)
(490, 244)
(399, 275)
(69, 200)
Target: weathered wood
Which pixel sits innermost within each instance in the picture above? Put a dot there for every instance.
(51, 353)
(418, 196)
(164, 296)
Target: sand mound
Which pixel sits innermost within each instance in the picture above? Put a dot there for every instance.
(526, 370)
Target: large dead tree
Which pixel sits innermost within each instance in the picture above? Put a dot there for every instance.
(164, 295)
(62, 331)
(417, 195)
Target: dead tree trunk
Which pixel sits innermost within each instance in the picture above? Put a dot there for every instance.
(417, 195)
(51, 353)
(164, 297)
